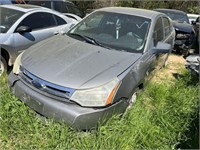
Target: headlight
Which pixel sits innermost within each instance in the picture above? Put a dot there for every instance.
(182, 36)
(96, 97)
(17, 64)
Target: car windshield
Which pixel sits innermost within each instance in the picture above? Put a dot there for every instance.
(113, 31)
(178, 17)
(7, 18)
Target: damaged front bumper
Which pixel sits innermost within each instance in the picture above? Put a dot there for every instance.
(184, 42)
(71, 113)
(192, 63)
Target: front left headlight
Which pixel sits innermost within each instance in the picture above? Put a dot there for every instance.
(17, 64)
(182, 36)
(97, 97)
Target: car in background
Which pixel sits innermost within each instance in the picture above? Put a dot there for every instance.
(63, 6)
(193, 63)
(24, 25)
(185, 34)
(5, 2)
(73, 16)
(95, 70)
(192, 17)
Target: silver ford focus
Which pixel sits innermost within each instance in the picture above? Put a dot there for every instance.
(95, 70)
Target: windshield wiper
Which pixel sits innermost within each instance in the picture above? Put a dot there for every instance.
(90, 40)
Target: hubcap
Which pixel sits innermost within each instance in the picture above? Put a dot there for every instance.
(2, 68)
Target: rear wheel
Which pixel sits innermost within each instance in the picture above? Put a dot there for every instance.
(3, 66)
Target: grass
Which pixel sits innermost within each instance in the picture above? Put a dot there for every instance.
(161, 118)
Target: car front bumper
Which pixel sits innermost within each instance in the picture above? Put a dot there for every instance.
(71, 113)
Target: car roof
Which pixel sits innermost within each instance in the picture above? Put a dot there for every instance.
(193, 15)
(24, 8)
(170, 10)
(132, 11)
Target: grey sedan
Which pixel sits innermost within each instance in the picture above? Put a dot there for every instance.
(24, 25)
(95, 70)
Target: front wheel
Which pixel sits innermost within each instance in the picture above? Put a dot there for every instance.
(166, 61)
(132, 100)
(3, 65)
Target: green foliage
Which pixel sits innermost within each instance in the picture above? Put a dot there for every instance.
(84, 5)
(159, 119)
(186, 5)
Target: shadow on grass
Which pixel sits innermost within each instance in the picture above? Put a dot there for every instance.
(192, 135)
(193, 131)
(189, 78)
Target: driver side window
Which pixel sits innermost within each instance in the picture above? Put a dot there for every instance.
(39, 20)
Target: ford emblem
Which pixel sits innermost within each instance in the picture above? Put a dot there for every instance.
(38, 84)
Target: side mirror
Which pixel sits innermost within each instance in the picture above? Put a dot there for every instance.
(162, 47)
(23, 29)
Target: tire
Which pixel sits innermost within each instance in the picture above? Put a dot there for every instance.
(3, 66)
(132, 100)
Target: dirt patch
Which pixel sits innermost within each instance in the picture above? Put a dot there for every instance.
(176, 64)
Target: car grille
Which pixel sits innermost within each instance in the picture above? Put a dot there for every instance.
(44, 87)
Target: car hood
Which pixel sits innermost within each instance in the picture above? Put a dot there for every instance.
(183, 27)
(72, 63)
(5, 38)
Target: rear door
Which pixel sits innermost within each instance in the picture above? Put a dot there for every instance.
(169, 38)
(158, 36)
(163, 32)
(43, 25)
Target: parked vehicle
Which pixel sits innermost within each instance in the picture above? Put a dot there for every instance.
(5, 2)
(96, 69)
(185, 34)
(63, 6)
(192, 17)
(24, 25)
(192, 64)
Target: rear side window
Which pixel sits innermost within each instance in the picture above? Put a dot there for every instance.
(60, 21)
(39, 20)
(166, 26)
(158, 33)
